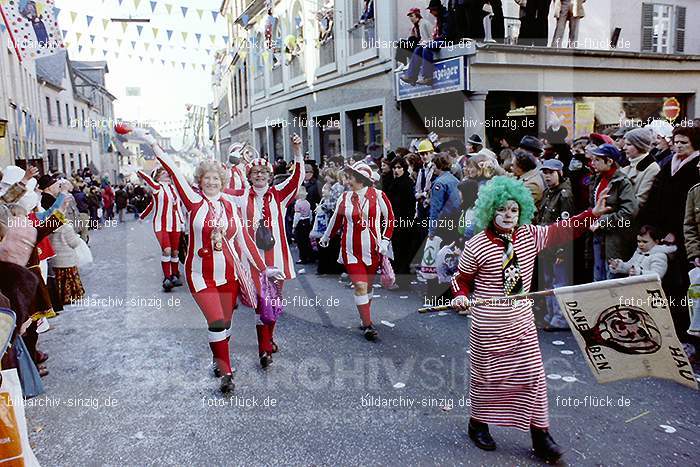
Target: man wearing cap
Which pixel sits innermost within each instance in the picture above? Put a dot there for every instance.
(557, 203)
(532, 145)
(425, 179)
(420, 35)
(642, 168)
(613, 236)
(476, 146)
(525, 169)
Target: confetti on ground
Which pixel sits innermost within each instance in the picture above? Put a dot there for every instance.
(131, 228)
(376, 296)
(567, 352)
(388, 324)
(446, 408)
(569, 379)
(553, 376)
(558, 342)
(399, 385)
(668, 428)
(139, 435)
(646, 412)
(301, 271)
(403, 296)
(442, 313)
(442, 356)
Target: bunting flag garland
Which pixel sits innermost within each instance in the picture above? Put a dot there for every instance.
(34, 33)
(89, 19)
(136, 4)
(215, 15)
(199, 37)
(105, 23)
(169, 32)
(92, 39)
(200, 13)
(139, 29)
(168, 8)
(153, 6)
(184, 11)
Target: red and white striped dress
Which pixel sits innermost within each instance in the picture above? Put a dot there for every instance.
(271, 204)
(238, 180)
(360, 244)
(204, 266)
(165, 204)
(507, 385)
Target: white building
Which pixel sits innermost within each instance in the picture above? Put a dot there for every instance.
(79, 115)
(20, 111)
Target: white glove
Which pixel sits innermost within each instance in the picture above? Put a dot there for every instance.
(460, 303)
(274, 273)
(323, 242)
(384, 246)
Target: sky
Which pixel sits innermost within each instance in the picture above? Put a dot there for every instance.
(165, 89)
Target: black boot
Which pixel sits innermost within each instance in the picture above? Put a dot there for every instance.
(226, 384)
(544, 446)
(265, 359)
(479, 433)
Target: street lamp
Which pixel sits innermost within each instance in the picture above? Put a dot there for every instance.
(3, 127)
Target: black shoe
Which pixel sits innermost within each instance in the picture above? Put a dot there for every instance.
(175, 281)
(369, 332)
(167, 285)
(227, 385)
(479, 434)
(544, 446)
(265, 359)
(215, 370)
(275, 348)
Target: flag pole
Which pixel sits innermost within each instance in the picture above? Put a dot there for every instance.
(483, 301)
(12, 36)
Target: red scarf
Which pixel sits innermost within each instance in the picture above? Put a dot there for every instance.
(604, 180)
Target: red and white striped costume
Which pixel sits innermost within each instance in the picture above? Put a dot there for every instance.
(238, 179)
(270, 205)
(365, 222)
(204, 266)
(165, 204)
(507, 386)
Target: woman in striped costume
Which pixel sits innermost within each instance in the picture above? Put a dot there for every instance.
(367, 221)
(167, 223)
(212, 266)
(507, 383)
(262, 204)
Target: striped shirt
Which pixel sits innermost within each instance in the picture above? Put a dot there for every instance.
(165, 204)
(238, 179)
(365, 218)
(204, 266)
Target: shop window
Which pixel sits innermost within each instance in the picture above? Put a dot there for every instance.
(368, 131)
(277, 143)
(363, 32)
(329, 135)
(663, 28)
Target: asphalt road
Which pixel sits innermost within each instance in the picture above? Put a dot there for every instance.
(130, 385)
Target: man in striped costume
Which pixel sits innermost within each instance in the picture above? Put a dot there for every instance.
(366, 219)
(167, 223)
(237, 158)
(265, 206)
(507, 382)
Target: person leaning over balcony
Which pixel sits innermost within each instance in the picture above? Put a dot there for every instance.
(421, 67)
(420, 33)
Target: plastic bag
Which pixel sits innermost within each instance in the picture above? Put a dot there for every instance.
(694, 301)
(428, 264)
(15, 448)
(388, 278)
(83, 252)
(28, 374)
(270, 300)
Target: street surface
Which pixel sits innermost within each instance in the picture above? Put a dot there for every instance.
(130, 384)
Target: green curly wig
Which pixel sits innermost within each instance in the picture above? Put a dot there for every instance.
(495, 193)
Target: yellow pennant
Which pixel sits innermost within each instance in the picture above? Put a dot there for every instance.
(73, 15)
(105, 23)
(169, 8)
(200, 12)
(184, 36)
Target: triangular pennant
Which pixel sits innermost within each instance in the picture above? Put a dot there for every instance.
(139, 29)
(80, 48)
(169, 32)
(73, 15)
(208, 51)
(92, 51)
(63, 31)
(194, 66)
(204, 67)
(89, 19)
(153, 60)
(2, 27)
(200, 13)
(153, 6)
(183, 65)
(124, 26)
(184, 36)
(56, 11)
(146, 45)
(213, 39)
(136, 4)
(162, 62)
(215, 15)
(160, 46)
(92, 39)
(119, 43)
(104, 52)
(105, 23)
(120, 2)
(199, 37)
(225, 39)
(155, 32)
(141, 58)
(133, 45)
(78, 35)
(184, 11)
(169, 8)
(116, 54)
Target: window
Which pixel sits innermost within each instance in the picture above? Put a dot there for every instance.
(82, 114)
(239, 91)
(276, 55)
(258, 64)
(58, 112)
(234, 94)
(245, 84)
(363, 32)
(75, 114)
(67, 115)
(329, 133)
(49, 117)
(367, 132)
(663, 28)
(295, 48)
(326, 41)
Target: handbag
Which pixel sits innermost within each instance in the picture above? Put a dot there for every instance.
(271, 306)
(182, 248)
(388, 278)
(83, 252)
(28, 374)
(263, 237)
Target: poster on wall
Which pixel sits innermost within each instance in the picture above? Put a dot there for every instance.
(559, 117)
(584, 119)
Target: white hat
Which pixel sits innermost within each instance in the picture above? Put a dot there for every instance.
(12, 174)
(258, 162)
(29, 200)
(661, 128)
(362, 170)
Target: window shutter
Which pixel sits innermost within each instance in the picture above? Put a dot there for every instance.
(647, 27)
(680, 29)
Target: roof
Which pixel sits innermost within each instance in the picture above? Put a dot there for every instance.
(52, 68)
(94, 70)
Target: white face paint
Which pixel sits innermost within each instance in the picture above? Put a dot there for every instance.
(506, 217)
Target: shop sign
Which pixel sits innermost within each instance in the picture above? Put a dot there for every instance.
(671, 109)
(449, 76)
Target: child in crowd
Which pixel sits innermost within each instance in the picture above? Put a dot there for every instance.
(446, 263)
(302, 227)
(651, 257)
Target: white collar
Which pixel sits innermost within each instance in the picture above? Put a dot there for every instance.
(260, 191)
(635, 161)
(217, 197)
(361, 192)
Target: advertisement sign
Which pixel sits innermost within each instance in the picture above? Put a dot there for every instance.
(584, 119)
(450, 75)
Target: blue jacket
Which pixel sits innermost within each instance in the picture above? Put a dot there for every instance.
(445, 199)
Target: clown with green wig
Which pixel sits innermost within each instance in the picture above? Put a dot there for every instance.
(507, 385)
